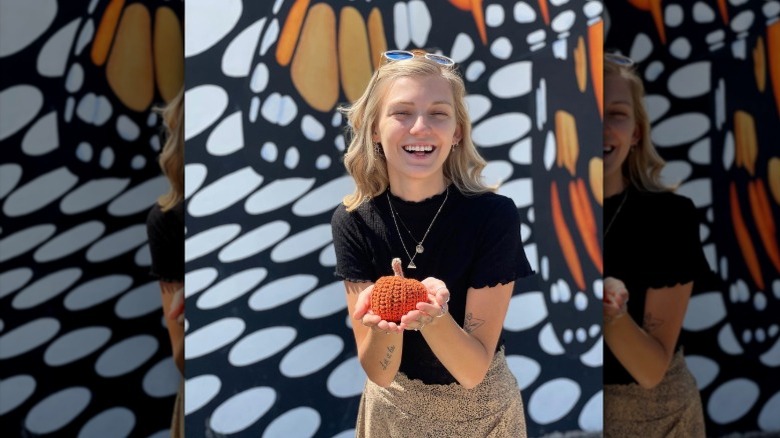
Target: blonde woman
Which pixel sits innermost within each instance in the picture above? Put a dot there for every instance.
(165, 230)
(441, 370)
(652, 255)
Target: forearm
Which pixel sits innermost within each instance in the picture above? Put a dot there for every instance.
(642, 355)
(380, 356)
(464, 356)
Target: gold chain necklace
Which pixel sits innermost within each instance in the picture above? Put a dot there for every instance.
(617, 212)
(419, 248)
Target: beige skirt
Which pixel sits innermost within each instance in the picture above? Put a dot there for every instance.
(671, 409)
(410, 408)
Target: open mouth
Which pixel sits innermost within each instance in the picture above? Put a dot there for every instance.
(419, 149)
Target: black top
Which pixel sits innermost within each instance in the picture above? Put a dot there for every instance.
(652, 243)
(475, 242)
(166, 242)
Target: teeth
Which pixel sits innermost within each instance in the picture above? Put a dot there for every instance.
(418, 148)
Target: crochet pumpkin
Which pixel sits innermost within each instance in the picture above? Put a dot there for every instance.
(394, 296)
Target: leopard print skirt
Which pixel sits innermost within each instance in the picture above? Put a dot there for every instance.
(410, 408)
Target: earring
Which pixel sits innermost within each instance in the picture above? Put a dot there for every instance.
(378, 149)
(454, 146)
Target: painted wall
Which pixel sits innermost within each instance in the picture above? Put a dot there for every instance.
(269, 348)
(83, 347)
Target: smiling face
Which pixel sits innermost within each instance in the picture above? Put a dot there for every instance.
(417, 127)
(620, 130)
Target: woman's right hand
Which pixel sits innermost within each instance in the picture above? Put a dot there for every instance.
(368, 318)
(615, 299)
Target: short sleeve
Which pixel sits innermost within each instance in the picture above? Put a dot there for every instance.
(500, 256)
(165, 231)
(353, 257)
(680, 259)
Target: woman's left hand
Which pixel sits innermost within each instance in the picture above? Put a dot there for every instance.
(427, 312)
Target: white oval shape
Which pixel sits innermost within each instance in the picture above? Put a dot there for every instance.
(593, 9)
(28, 336)
(323, 162)
(206, 23)
(525, 311)
(224, 192)
(419, 22)
(94, 110)
(525, 369)
(39, 192)
(254, 241)
(10, 174)
(347, 379)
(680, 48)
(140, 301)
(475, 70)
(117, 243)
(580, 301)
(698, 190)
(212, 337)
(704, 370)
(85, 37)
(259, 79)
(462, 48)
(641, 48)
(521, 152)
(242, 410)
(680, 129)
(22, 241)
(139, 198)
(591, 417)
(199, 391)
(594, 357)
(673, 15)
(111, 422)
(523, 13)
(270, 36)
(496, 172)
(42, 137)
(767, 418)
(549, 341)
(57, 410)
(237, 59)
(75, 345)
(675, 172)
(126, 356)
(70, 241)
(26, 101)
(75, 78)
(231, 288)
(227, 137)
(703, 13)
(199, 279)
(281, 291)
(311, 128)
(269, 152)
(563, 21)
(501, 129)
(494, 15)
(704, 311)
(742, 21)
(305, 242)
(513, 80)
(691, 80)
(311, 356)
(209, 240)
(656, 106)
(162, 380)
(728, 340)
(46, 288)
(325, 197)
(301, 422)
(478, 106)
(324, 301)
(127, 129)
(25, 22)
(501, 48)
(654, 70)
(16, 390)
(14, 279)
(771, 357)
(261, 345)
(92, 194)
(328, 256)
(519, 190)
(107, 158)
(277, 193)
(96, 291)
(732, 400)
(203, 105)
(553, 400)
(279, 110)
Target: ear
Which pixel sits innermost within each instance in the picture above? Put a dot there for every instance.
(375, 137)
(458, 135)
(637, 135)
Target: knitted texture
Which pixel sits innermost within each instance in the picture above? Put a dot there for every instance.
(394, 296)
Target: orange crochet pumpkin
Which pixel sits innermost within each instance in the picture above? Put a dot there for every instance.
(394, 296)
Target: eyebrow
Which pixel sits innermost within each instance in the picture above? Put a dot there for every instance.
(404, 102)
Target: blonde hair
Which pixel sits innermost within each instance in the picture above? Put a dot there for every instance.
(171, 158)
(642, 168)
(368, 168)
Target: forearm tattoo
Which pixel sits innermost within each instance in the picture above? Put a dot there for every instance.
(651, 323)
(384, 363)
(472, 323)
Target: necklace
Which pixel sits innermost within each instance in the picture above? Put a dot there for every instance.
(614, 216)
(419, 248)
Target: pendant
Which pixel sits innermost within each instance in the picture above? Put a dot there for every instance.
(419, 248)
(411, 265)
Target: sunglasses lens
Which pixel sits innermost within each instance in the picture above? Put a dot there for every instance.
(619, 59)
(443, 60)
(398, 55)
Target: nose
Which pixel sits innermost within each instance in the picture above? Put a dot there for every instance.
(420, 126)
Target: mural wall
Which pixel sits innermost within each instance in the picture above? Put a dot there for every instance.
(83, 347)
(712, 72)
(269, 346)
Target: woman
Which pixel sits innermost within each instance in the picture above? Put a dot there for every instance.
(441, 371)
(652, 253)
(165, 229)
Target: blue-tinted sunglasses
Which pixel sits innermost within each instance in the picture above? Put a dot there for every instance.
(615, 58)
(402, 55)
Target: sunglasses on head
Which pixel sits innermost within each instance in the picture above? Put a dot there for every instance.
(615, 58)
(403, 55)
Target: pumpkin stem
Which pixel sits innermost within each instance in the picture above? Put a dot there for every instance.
(396, 264)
